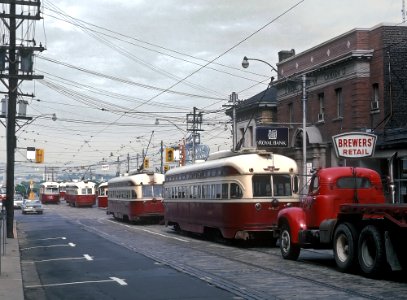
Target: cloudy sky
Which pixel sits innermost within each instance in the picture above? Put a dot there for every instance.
(111, 68)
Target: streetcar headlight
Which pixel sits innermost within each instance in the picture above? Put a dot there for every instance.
(257, 206)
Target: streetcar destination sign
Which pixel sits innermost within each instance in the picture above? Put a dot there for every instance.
(271, 137)
(354, 144)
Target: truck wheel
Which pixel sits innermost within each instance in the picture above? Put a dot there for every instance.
(372, 254)
(344, 246)
(288, 249)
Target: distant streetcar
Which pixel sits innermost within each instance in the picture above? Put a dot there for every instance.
(231, 195)
(136, 197)
(62, 190)
(102, 190)
(49, 192)
(81, 193)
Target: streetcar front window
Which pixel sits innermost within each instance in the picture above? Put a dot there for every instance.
(158, 191)
(261, 186)
(147, 191)
(282, 185)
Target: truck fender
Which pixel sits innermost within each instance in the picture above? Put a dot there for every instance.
(326, 230)
(295, 218)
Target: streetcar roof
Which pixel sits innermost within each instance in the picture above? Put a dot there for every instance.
(141, 178)
(50, 184)
(244, 163)
(80, 184)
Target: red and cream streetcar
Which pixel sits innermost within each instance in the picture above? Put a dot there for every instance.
(231, 195)
(62, 188)
(136, 197)
(49, 192)
(102, 194)
(81, 193)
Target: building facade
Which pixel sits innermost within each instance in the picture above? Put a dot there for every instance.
(355, 82)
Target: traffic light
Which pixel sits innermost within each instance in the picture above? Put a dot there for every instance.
(146, 163)
(166, 168)
(39, 156)
(169, 154)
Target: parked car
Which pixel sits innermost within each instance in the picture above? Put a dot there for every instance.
(3, 195)
(32, 206)
(18, 201)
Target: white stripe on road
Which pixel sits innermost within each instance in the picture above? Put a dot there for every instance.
(85, 256)
(54, 238)
(149, 231)
(112, 279)
(49, 246)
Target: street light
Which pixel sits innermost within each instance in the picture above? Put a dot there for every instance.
(245, 64)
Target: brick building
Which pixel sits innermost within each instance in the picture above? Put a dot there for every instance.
(355, 82)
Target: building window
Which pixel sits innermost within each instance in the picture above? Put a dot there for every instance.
(290, 113)
(250, 139)
(321, 113)
(339, 103)
(374, 105)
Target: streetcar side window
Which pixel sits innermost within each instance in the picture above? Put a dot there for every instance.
(218, 191)
(225, 191)
(235, 191)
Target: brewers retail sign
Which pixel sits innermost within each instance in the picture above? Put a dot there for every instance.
(354, 144)
(271, 137)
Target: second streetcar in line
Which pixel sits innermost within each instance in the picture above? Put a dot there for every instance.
(136, 197)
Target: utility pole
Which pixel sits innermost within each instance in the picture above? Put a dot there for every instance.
(194, 124)
(17, 55)
(233, 98)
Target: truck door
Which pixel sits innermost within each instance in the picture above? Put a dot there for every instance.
(310, 202)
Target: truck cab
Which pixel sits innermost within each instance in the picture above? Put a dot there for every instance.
(332, 187)
(313, 223)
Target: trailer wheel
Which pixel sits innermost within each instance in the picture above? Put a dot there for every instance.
(372, 254)
(344, 246)
(288, 249)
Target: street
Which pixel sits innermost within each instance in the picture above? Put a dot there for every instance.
(82, 253)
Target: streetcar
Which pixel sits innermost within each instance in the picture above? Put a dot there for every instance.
(81, 193)
(136, 197)
(62, 190)
(49, 192)
(102, 194)
(232, 195)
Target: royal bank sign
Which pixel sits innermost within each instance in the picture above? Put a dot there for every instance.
(271, 137)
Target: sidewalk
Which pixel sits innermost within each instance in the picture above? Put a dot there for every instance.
(11, 283)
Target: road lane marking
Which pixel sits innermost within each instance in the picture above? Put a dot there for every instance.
(112, 279)
(49, 246)
(85, 256)
(88, 257)
(149, 231)
(53, 238)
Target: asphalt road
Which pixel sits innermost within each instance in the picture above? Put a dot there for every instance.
(114, 260)
(61, 260)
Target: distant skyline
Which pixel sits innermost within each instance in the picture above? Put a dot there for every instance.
(113, 67)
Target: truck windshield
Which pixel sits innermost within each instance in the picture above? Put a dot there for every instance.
(353, 182)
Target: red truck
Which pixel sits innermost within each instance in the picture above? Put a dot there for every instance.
(345, 210)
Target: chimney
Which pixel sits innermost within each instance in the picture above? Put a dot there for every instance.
(285, 54)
